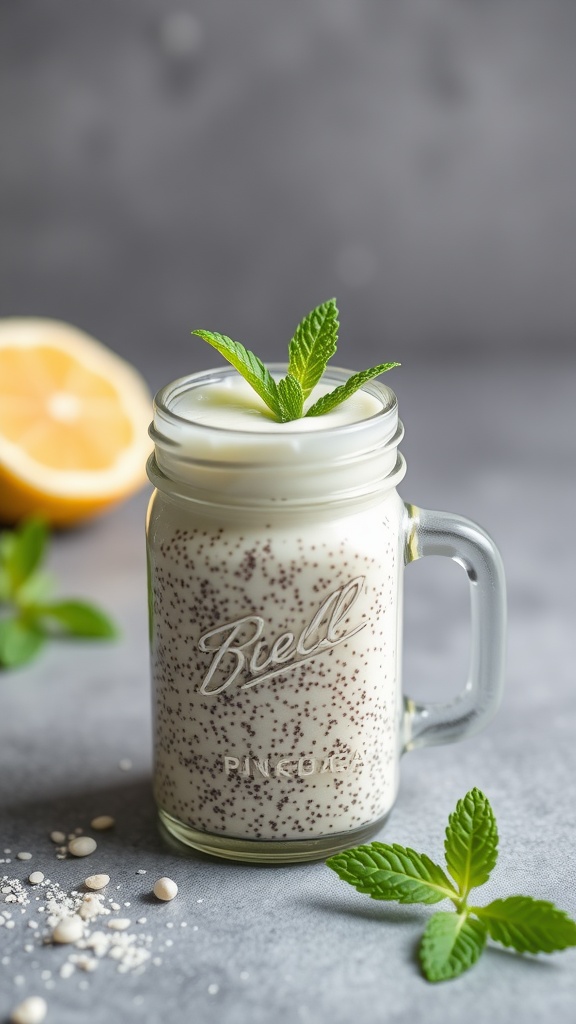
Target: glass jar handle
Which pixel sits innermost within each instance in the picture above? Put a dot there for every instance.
(442, 533)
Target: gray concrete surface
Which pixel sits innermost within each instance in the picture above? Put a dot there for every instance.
(294, 945)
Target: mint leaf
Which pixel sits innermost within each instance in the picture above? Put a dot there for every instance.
(250, 366)
(78, 618)
(5, 584)
(291, 398)
(344, 391)
(393, 873)
(20, 641)
(313, 344)
(471, 844)
(25, 550)
(451, 944)
(35, 589)
(528, 925)
(24, 593)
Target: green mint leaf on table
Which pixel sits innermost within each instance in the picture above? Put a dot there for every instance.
(453, 942)
(28, 613)
(471, 844)
(20, 641)
(250, 366)
(393, 873)
(78, 618)
(313, 344)
(528, 925)
(309, 351)
(24, 551)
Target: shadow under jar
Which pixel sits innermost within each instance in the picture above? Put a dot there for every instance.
(275, 556)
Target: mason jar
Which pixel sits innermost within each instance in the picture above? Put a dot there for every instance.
(275, 555)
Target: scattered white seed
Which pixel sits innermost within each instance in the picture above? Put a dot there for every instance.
(90, 907)
(165, 889)
(115, 906)
(58, 837)
(102, 822)
(24, 856)
(9, 924)
(33, 925)
(67, 970)
(70, 929)
(86, 963)
(96, 881)
(119, 924)
(141, 871)
(213, 989)
(31, 1011)
(36, 877)
(81, 846)
(125, 764)
(142, 920)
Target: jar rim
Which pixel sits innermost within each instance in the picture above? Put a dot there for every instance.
(287, 465)
(334, 375)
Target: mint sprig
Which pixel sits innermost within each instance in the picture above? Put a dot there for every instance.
(29, 616)
(312, 346)
(453, 942)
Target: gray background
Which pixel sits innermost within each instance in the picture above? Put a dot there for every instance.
(229, 165)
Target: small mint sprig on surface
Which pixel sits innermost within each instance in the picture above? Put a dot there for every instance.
(453, 942)
(313, 345)
(29, 616)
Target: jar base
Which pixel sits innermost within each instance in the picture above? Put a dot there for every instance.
(266, 851)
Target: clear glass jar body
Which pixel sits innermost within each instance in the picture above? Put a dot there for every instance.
(275, 667)
(275, 572)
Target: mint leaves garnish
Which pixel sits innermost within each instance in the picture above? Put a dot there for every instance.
(29, 616)
(453, 942)
(313, 345)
